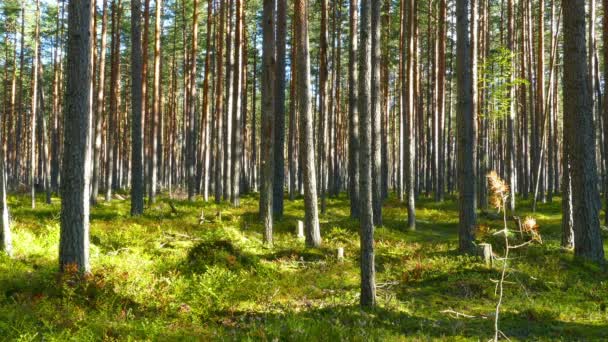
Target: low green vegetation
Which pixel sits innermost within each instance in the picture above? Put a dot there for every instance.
(167, 276)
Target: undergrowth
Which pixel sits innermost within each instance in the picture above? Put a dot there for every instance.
(164, 276)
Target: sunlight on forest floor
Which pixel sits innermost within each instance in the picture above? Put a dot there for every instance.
(165, 276)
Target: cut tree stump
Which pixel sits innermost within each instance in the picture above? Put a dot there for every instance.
(484, 250)
(340, 253)
(300, 229)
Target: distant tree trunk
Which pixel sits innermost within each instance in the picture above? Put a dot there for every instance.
(578, 124)
(466, 129)
(155, 122)
(292, 151)
(206, 113)
(74, 235)
(137, 166)
(368, 272)
(21, 114)
(237, 145)
(409, 115)
(114, 99)
(254, 144)
(219, 103)
(191, 149)
(57, 86)
(34, 108)
(386, 139)
(279, 121)
(440, 91)
(324, 106)
(353, 114)
(146, 112)
(227, 133)
(376, 110)
(510, 151)
(605, 106)
(268, 117)
(6, 244)
(302, 63)
(540, 99)
(99, 110)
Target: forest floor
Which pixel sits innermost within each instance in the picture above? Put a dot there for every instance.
(166, 276)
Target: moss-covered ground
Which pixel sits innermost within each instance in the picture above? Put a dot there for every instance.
(166, 276)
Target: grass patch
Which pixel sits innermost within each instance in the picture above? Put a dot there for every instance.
(164, 276)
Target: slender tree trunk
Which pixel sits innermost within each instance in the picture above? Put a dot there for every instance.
(99, 110)
(155, 122)
(466, 129)
(21, 114)
(191, 149)
(440, 91)
(237, 146)
(324, 107)
(302, 63)
(376, 108)
(605, 105)
(292, 153)
(206, 113)
(353, 114)
(219, 103)
(409, 115)
(268, 117)
(114, 99)
(279, 121)
(510, 150)
(368, 272)
(74, 234)
(137, 167)
(34, 107)
(227, 133)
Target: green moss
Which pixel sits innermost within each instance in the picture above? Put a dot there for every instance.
(165, 276)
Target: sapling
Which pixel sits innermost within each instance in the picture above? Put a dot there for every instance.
(500, 193)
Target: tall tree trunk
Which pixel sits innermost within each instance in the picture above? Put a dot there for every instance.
(206, 113)
(227, 133)
(466, 129)
(368, 271)
(279, 121)
(510, 150)
(440, 91)
(155, 122)
(376, 108)
(292, 151)
(302, 63)
(237, 144)
(324, 106)
(74, 235)
(268, 117)
(578, 124)
(114, 99)
(99, 110)
(21, 114)
(137, 167)
(191, 149)
(219, 103)
(409, 115)
(605, 105)
(34, 107)
(353, 114)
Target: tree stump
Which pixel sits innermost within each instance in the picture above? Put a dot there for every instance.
(300, 229)
(484, 250)
(340, 253)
